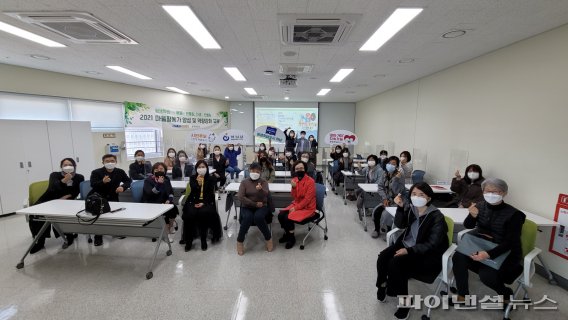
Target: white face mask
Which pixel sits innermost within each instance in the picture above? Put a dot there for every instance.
(171, 154)
(110, 165)
(201, 147)
(305, 159)
(217, 152)
(383, 157)
(254, 175)
(201, 171)
(68, 169)
(371, 163)
(418, 201)
(473, 175)
(492, 198)
(182, 159)
(231, 148)
(288, 154)
(262, 148)
(140, 158)
(271, 153)
(345, 154)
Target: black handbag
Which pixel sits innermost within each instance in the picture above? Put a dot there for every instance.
(96, 205)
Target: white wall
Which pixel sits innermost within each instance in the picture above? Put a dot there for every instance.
(508, 108)
(32, 81)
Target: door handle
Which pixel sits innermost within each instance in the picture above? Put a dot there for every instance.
(21, 165)
(77, 159)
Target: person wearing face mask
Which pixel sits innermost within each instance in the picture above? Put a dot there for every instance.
(312, 148)
(498, 222)
(390, 184)
(302, 144)
(64, 185)
(170, 159)
(345, 163)
(417, 252)
(310, 167)
(468, 188)
(108, 181)
(289, 159)
(183, 168)
(383, 159)
(260, 155)
(406, 166)
(267, 173)
(199, 211)
(290, 143)
(272, 156)
(253, 195)
(261, 147)
(372, 174)
(231, 154)
(201, 153)
(220, 164)
(140, 168)
(158, 189)
(303, 205)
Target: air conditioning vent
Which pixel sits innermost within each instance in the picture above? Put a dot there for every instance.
(79, 27)
(257, 97)
(289, 81)
(295, 68)
(318, 29)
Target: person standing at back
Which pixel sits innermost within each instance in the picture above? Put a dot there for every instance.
(140, 168)
(290, 144)
(302, 144)
(231, 154)
(312, 148)
(108, 181)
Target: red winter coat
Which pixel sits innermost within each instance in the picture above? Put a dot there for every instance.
(304, 203)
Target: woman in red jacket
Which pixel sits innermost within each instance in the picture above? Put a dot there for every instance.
(303, 206)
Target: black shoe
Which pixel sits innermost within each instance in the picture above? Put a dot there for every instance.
(70, 238)
(154, 239)
(382, 294)
(37, 247)
(402, 313)
(187, 247)
(204, 245)
(291, 242)
(98, 241)
(182, 241)
(284, 238)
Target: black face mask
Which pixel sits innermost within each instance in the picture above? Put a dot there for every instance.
(159, 174)
(300, 174)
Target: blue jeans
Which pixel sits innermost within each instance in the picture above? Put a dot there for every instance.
(256, 216)
(233, 170)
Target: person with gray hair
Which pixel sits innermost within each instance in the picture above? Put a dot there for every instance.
(498, 222)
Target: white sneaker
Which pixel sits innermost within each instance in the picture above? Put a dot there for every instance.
(171, 238)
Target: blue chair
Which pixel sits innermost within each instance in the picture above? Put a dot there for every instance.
(137, 188)
(417, 176)
(318, 217)
(84, 189)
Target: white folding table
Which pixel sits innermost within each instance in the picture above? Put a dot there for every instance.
(352, 177)
(135, 220)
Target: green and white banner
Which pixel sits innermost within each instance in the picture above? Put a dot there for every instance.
(138, 114)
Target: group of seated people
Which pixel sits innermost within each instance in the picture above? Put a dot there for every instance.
(200, 214)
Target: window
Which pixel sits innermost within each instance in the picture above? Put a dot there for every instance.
(27, 107)
(104, 116)
(148, 140)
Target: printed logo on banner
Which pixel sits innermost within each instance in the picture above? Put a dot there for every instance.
(226, 137)
(271, 131)
(212, 137)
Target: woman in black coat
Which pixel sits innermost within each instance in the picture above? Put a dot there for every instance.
(199, 211)
(220, 163)
(417, 253)
(63, 185)
(158, 189)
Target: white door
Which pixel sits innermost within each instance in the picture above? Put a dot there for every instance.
(83, 147)
(36, 146)
(60, 142)
(14, 186)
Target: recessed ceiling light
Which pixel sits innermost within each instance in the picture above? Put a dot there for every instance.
(240, 104)
(93, 72)
(235, 73)
(185, 17)
(177, 90)
(235, 109)
(241, 112)
(409, 60)
(39, 57)
(129, 72)
(286, 98)
(340, 75)
(226, 97)
(454, 34)
(323, 92)
(397, 20)
(29, 36)
(251, 91)
(268, 72)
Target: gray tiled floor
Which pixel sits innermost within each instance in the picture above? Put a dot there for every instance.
(331, 279)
